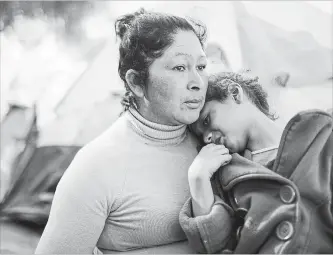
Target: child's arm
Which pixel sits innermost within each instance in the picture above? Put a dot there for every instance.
(210, 233)
(202, 194)
(205, 218)
(207, 162)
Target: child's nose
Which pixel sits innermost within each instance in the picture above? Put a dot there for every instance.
(208, 138)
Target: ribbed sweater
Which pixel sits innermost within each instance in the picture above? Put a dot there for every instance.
(123, 191)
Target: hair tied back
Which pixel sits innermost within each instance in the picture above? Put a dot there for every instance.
(125, 22)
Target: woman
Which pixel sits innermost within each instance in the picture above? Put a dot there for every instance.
(124, 190)
(275, 199)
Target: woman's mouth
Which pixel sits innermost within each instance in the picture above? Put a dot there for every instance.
(194, 103)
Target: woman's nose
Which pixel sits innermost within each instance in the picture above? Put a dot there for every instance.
(208, 138)
(196, 82)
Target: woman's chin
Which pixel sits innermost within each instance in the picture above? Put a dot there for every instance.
(189, 118)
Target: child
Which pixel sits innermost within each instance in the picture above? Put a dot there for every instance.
(241, 206)
(236, 116)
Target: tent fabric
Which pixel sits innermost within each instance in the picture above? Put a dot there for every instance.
(90, 107)
(17, 238)
(31, 172)
(271, 52)
(19, 136)
(30, 199)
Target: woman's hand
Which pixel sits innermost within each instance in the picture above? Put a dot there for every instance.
(207, 162)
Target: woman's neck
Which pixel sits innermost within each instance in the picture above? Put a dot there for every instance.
(149, 115)
(159, 133)
(264, 133)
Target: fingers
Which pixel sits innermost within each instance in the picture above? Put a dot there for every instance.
(210, 145)
(217, 149)
(215, 146)
(221, 149)
(226, 159)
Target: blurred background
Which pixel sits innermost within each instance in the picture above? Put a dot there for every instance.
(60, 86)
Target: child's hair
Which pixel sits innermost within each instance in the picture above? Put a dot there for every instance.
(218, 90)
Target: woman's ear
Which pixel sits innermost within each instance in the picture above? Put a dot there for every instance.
(133, 80)
(236, 92)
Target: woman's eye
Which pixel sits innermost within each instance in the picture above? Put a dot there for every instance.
(206, 121)
(179, 68)
(201, 67)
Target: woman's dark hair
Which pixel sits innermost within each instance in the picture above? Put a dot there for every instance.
(144, 37)
(218, 90)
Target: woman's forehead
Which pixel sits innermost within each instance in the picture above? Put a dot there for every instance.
(185, 44)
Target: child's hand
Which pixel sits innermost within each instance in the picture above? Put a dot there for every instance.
(209, 160)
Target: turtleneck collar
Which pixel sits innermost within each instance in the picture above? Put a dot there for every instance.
(157, 133)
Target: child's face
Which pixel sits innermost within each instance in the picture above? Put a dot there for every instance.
(223, 123)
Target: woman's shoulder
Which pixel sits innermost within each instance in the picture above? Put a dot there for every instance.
(101, 158)
(98, 171)
(118, 129)
(111, 142)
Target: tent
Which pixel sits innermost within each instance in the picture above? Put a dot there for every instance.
(302, 49)
(29, 176)
(91, 105)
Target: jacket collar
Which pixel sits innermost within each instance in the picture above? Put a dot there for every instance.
(241, 169)
(292, 143)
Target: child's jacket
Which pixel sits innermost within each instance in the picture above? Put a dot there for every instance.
(284, 210)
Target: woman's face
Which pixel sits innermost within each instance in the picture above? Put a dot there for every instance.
(223, 123)
(177, 82)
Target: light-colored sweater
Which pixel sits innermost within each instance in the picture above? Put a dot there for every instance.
(123, 191)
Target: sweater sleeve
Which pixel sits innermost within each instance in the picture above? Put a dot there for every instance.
(81, 204)
(207, 233)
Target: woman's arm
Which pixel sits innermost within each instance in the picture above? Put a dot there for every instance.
(79, 208)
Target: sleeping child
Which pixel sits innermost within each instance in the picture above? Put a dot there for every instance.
(257, 188)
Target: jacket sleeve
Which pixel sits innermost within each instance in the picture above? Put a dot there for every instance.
(208, 233)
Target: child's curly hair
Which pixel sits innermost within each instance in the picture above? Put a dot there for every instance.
(218, 90)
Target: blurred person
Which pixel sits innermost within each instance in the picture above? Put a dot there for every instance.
(111, 196)
(265, 199)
